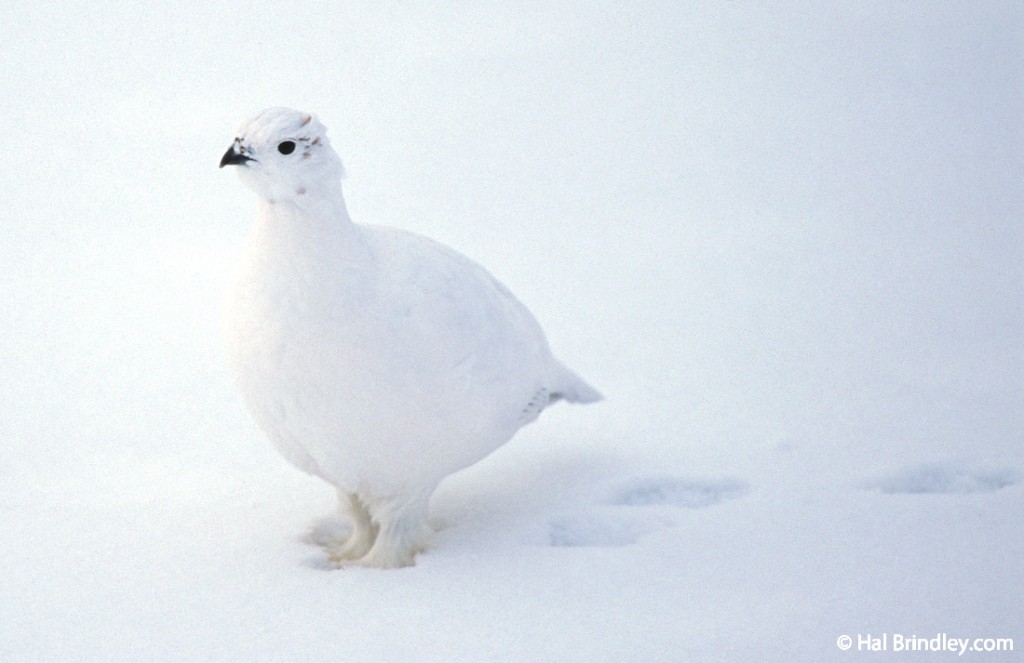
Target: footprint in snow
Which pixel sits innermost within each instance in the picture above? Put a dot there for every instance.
(594, 530)
(943, 478)
(672, 491)
(620, 523)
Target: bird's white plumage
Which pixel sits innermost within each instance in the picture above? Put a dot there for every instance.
(376, 359)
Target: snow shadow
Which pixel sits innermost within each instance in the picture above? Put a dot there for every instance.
(624, 520)
(673, 491)
(943, 478)
(598, 530)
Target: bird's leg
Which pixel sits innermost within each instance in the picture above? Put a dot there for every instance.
(362, 536)
(403, 531)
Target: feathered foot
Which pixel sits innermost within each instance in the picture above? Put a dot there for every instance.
(388, 534)
(361, 537)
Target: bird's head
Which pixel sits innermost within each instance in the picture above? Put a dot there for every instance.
(284, 155)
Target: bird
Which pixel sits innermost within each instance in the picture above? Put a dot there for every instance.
(374, 358)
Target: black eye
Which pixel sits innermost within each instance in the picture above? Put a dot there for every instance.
(286, 147)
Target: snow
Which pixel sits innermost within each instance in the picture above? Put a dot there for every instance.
(784, 241)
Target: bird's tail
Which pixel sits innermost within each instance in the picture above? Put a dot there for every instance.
(572, 388)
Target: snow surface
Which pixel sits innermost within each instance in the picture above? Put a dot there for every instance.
(784, 239)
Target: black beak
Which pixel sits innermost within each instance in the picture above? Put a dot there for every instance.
(233, 158)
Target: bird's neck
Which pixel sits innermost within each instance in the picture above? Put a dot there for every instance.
(326, 202)
(318, 220)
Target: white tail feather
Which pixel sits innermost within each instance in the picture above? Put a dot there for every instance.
(573, 389)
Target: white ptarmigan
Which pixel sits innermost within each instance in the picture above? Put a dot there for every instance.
(375, 359)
